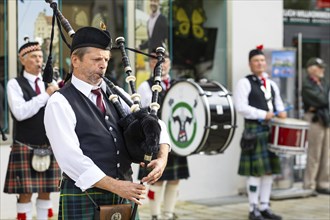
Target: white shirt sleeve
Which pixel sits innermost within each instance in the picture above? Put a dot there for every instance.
(241, 100)
(60, 122)
(20, 108)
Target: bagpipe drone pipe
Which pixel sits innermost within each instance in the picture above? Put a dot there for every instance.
(140, 125)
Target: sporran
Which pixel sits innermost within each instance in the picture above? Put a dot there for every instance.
(248, 141)
(113, 212)
(41, 159)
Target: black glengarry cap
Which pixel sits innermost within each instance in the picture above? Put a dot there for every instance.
(257, 51)
(91, 37)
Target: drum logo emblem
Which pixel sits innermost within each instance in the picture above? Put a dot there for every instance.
(181, 125)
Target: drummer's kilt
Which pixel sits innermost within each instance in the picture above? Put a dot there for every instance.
(22, 178)
(76, 205)
(176, 168)
(260, 161)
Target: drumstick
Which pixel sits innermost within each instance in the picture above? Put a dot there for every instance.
(277, 112)
(285, 110)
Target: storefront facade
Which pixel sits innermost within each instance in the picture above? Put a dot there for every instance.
(231, 29)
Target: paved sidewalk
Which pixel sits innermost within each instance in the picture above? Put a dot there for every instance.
(309, 208)
(236, 208)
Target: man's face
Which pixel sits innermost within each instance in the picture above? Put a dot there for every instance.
(316, 71)
(32, 62)
(152, 62)
(166, 66)
(258, 64)
(154, 4)
(93, 64)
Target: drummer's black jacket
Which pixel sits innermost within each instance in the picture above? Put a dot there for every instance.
(317, 97)
(257, 96)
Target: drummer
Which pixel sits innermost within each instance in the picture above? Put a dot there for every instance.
(257, 99)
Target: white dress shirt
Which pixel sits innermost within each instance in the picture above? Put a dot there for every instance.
(145, 92)
(241, 100)
(60, 122)
(152, 21)
(20, 108)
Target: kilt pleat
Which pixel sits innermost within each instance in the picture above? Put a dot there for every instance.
(22, 178)
(260, 161)
(176, 168)
(76, 205)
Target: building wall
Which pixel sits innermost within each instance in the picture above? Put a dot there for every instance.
(250, 23)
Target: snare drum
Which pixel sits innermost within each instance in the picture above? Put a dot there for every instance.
(200, 117)
(288, 136)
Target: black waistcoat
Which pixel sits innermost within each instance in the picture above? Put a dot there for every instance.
(100, 139)
(32, 130)
(257, 96)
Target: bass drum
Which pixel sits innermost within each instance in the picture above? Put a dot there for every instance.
(200, 117)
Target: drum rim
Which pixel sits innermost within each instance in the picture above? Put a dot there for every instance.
(280, 121)
(206, 132)
(233, 118)
(286, 150)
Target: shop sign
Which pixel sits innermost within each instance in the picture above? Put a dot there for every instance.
(291, 16)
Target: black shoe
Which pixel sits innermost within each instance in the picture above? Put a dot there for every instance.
(255, 215)
(268, 214)
(323, 191)
(154, 217)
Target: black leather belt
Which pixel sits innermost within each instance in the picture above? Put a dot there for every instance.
(252, 121)
(64, 177)
(31, 145)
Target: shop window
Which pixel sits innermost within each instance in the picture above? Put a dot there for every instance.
(193, 38)
(3, 66)
(79, 14)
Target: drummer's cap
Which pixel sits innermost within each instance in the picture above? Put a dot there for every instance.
(91, 37)
(28, 47)
(257, 51)
(315, 61)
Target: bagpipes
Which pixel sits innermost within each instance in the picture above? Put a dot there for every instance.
(140, 126)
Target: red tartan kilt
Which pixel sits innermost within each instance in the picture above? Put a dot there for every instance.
(22, 178)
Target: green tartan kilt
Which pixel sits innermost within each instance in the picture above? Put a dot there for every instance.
(259, 161)
(76, 205)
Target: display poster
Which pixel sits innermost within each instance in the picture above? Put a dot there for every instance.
(283, 63)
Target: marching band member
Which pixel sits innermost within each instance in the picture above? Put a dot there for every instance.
(166, 189)
(82, 126)
(257, 98)
(27, 97)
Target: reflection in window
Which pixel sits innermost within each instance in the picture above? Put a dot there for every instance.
(3, 65)
(91, 13)
(79, 14)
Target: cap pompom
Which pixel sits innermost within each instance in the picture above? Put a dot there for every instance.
(260, 47)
